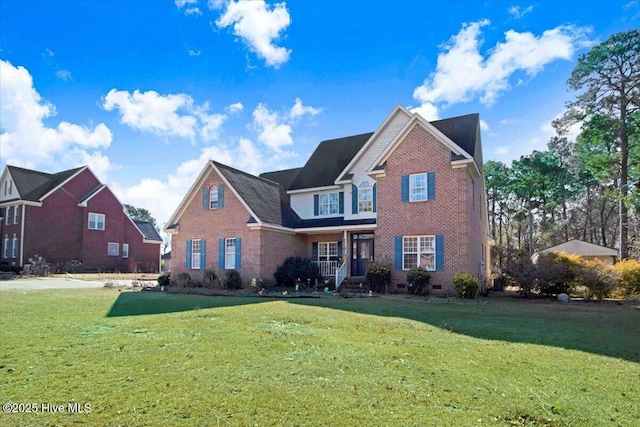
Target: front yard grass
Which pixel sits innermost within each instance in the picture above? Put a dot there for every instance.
(146, 358)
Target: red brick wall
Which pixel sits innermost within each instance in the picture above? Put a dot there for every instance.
(275, 247)
(143, 257)
(447, 215)
(54, 230)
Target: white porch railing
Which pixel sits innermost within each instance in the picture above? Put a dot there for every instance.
(327, 268)
(341, 274)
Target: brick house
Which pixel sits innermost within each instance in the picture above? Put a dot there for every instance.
(410, 194)
(71, 220)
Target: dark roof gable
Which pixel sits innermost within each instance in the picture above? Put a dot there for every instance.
(465, 132)
(33, 185)
(328, 160)
(147, 229)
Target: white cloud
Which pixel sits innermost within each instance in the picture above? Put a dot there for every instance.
(299, 110)
(235, 108)
(64, 75)
(518, 12)
(25, 140)
(164, 115)
(427, 110)
(258, 26)
(274, 129)
(194, 52)
(484, 125)
(463, 73)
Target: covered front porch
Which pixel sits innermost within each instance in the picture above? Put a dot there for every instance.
(343, 255)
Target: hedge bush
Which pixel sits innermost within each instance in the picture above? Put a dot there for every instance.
(294, 268)
(418, 279)
(233, 280)
(466, 285)
(628, 272)
(379, 277)
(164, 279)
(209, 279)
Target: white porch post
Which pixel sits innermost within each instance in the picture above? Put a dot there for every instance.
(345, 249)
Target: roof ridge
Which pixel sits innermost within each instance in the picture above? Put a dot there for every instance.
(267, 181)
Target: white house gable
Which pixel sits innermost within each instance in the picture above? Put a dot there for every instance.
(356, 171)
(8, 190)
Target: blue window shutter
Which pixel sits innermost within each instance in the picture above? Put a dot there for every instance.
(188, 259)
(375, 197)
(431, 186)
(340, 249)
(398, 252)
(238, 252)
(316, 204)
(221, 253)
(221, 196)
(205, 198)
(354, 199)
(439, 252)
(203, 254)
(341, 202)
(314, 251)
(405, 188)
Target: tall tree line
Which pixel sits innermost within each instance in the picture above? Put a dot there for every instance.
(587, 189)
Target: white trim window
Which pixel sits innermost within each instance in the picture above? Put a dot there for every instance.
(7, 213)
(113, 249)
(125, 250)
(365, 197)
(419, 251)
(14, 247)
(229, 254)
(16, 210)
(6, 245)
(96, 221)
(213, 198)
(196, 254)
(327, 251)
(329, 204)
(418, 187)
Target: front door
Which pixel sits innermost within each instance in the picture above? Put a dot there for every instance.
(361, 253)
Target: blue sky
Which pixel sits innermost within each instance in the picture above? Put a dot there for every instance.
(145, 92)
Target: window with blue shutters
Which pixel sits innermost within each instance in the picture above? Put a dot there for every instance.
(418, 187)
(328, 204)
(419, 251)
(365, 197)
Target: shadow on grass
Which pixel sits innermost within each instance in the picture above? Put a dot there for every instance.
(607, 330)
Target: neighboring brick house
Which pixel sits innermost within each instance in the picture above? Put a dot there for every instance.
(71, 220)
(410, 194)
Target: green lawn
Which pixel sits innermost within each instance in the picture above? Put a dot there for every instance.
(155, 359)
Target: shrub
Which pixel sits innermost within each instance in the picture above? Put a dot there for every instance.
(556, 272)
(524, 274)
(6, 268)
(466, 285)
(233, 280)
(294, 268)
(628, 272)
(379, 277)
(182, 280)
(598, 280)
(209, 279)
(418, 279)
(164, 279)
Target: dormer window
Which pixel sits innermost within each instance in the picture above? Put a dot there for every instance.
(329, 204)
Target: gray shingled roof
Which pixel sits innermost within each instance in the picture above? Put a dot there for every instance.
(464, 131)
(283, 177)
(328, 160)
(33, 185)
(582, 248)
(147, 229)
(262, 196)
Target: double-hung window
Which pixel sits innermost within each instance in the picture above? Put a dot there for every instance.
(365, 197)
(15, 214)
(418, 187)
(125, 250)
(96, 221)
(213, 197)
(196, 254)
(229, 254)
(6, 246)
(419, 251)
(7, 219)
(327, 251)
(14, 249)
(329, 204)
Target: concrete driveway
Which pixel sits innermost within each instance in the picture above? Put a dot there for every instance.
(47, 283)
